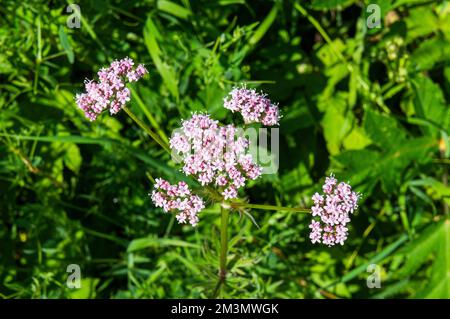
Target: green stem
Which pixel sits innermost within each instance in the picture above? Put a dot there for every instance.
(147, 129)
(55, 55)
(223, 243)
(444, 176)
(223, 250)
(270, 207)
(149, 116)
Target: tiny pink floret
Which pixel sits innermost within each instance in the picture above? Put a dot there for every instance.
(254, 107)
(111, 91)
(177, 198)
(214, 154)
(331, 212)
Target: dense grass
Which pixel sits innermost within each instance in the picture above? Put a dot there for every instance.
(370, 105)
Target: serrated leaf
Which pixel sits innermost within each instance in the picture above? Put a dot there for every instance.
(430, 52)
(421, 22)
(394, 162)
(439, 286)
(383, 130)
(419, 249)
(429, 102)
(432, 244)
(358, 165)
(368, 166)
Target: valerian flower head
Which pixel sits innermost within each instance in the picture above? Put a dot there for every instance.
(254, 107)
(331, 212)
(177, 198)
(214, 154)
(110, 92)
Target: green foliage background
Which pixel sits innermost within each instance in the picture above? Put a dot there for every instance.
(370, 105)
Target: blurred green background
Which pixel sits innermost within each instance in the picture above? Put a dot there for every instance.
(370, 105)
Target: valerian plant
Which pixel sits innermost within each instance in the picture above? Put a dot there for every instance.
(217, 157)
(370, 105)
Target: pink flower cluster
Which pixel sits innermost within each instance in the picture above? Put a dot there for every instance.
(214, 154)
(177, 198)
(254, 107)
(111, 91)
(333, 212)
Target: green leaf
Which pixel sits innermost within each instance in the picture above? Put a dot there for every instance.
(66, 44)
(379, 257)
(173, 9)
(392, 164)
(392, 289)
(419, 249)
(356, 139)
(87, 289)
(72, 157)
(430, 52)
(383, 130)
(398, 3)
(368, 166)
(296, 119)
(336, 123)
(264, 26)
(442, 190)
(357, 165)
(330, 4)
(421, 22)
(155, 242)
(327, 54)
(167, 73)
(429, 102)
(432, 244)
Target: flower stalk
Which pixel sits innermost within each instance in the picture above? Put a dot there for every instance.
(223, 248)
(147, 129)
(149, 116)
(223, 243)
